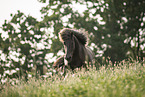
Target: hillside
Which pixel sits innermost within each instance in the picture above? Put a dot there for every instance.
(122, 81)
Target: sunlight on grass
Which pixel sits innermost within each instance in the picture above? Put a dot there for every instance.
(122, 81)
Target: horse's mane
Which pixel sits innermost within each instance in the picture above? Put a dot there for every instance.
(66, 33)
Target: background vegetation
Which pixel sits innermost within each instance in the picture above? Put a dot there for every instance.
(116, 32)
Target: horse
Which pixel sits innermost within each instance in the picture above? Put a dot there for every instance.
(76, 50)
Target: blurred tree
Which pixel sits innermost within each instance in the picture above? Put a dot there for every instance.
(126, 18)
(23, 46)
(113, 26)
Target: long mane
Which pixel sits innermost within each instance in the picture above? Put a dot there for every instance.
(66, 33)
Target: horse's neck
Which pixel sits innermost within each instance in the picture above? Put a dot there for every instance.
(78, 47)
(79, 54)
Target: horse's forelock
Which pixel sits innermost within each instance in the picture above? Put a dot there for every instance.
(66, 33)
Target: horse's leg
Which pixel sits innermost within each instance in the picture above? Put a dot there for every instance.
(85, 66)
(91, 64)
(64, 70)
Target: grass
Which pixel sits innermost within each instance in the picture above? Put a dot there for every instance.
(122, 81)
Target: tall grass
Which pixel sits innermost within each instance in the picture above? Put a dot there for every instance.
(122, 81)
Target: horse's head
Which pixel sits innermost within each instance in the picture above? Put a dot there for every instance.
(75, 47)
(69, 46)
(69, 38)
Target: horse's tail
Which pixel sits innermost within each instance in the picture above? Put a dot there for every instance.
(89, 55)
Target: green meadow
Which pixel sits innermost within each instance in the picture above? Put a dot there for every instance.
(125, 80)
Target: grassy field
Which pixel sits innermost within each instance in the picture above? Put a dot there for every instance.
(122, 81)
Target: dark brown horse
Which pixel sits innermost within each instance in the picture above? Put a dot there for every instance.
(76, 51)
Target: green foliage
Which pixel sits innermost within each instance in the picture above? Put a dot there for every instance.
(128, 79)
(117, 24)
(20, 50)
